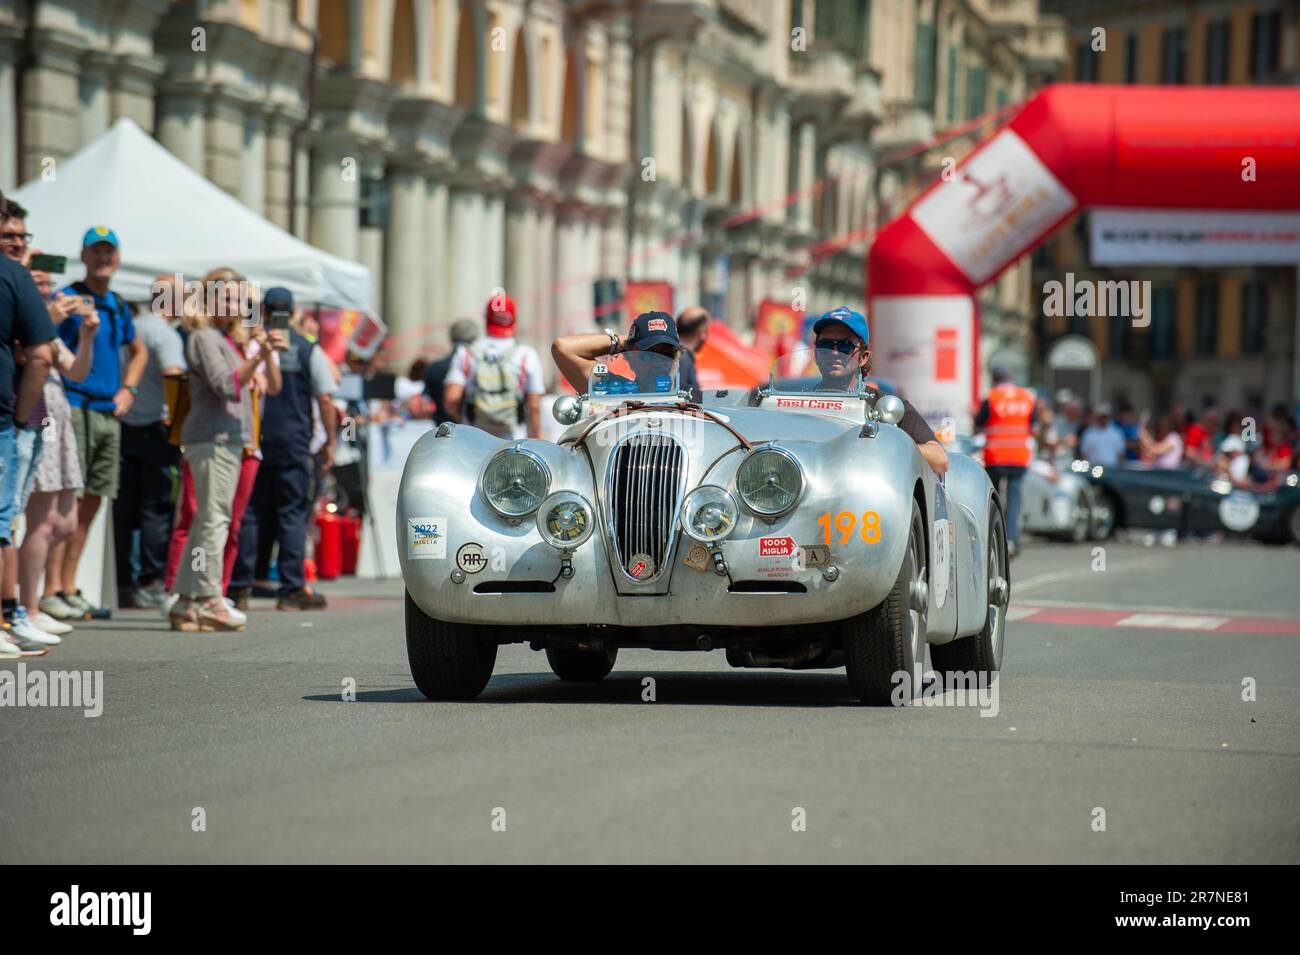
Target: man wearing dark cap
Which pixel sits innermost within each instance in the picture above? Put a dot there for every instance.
(577, 355)
(281, 501)
(843, 355)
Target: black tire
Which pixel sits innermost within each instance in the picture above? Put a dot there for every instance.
(581, 666)
(982, 652)
(890, 639)
(1104, 517)
(449, 661)
(1082, 520)
(1293, 525)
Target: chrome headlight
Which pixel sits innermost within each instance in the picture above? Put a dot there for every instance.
(514, 482)
(565, 520)
(769, 481)
(709, 514)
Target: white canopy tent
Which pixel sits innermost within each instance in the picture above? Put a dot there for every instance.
(171, 219)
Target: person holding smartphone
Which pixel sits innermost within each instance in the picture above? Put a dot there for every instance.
(99, 402)
(25, 328)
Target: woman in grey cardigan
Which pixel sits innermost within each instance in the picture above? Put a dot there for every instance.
(216, 431)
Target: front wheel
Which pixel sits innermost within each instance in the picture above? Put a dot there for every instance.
(449, 661)
(581, 666)
(982, 652)
(884, 648)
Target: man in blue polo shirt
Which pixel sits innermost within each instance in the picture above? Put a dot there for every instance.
(106, 394)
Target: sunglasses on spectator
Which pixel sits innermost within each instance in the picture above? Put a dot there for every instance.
(841, 345)
(16, 236)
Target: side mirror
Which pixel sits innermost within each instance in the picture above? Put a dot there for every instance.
(567, 410)
(889, 408)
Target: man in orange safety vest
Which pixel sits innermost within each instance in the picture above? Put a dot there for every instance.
(1007, 419)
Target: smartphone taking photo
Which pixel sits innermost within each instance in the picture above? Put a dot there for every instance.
(49, 263)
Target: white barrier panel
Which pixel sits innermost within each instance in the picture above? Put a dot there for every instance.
(387, 447)
(924, 344)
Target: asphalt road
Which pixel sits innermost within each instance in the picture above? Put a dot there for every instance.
(1122, 691)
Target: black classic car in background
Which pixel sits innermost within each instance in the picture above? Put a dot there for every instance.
(1197, 500)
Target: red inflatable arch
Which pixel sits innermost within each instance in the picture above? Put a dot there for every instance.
(1071, 146)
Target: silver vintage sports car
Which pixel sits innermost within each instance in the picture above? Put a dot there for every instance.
(795, 529)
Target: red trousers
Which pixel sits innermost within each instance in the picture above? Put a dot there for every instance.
(185, 506)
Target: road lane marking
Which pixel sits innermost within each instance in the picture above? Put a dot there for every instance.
(1135, 619)
(1172, 621)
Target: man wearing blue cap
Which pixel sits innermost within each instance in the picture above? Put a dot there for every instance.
(101, 399)
(844, 357)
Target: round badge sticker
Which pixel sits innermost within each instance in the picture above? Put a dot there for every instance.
(470, 558)
(641, 566)
(1239, 511)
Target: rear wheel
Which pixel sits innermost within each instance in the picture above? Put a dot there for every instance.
(982, 652)
(1103, 517)
(889, 640)
(449, 661)
(1082, 520)
(1293, 524)
(581, 666)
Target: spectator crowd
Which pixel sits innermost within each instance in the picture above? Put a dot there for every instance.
(202, 424)
(1253, 449)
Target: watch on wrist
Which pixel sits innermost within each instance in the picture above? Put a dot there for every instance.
(133, 389)
(613, 341)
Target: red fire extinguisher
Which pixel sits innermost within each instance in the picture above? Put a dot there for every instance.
(329, 551)
(351, 542)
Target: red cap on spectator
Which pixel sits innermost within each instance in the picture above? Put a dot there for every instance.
(501, 316)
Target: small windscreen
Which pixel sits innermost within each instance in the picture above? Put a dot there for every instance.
(639, 374)
(829, 369)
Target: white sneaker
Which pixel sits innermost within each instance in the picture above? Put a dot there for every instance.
(47, 623)
(10, 650)
(236, 615)
(165, 608)
(24, 634)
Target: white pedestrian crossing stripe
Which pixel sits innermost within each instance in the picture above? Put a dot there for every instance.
(1174, 621)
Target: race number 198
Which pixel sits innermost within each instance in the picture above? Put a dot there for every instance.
(846, 522)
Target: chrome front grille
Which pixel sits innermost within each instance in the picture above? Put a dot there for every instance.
(644, 490)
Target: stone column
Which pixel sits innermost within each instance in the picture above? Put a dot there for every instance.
(279, 170)
(181, 126)
(9, 51)
(547, 261)
(467, 236)
(51, 108)
(433, 260)
(406, 309)
(253, 172)
(522, 274)
(370, 234)
(94, 96)
(225, 123)
(335, 194)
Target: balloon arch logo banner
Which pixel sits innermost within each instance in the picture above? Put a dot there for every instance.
(1200, 151)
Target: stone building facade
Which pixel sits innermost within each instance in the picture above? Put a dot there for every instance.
(738, 149)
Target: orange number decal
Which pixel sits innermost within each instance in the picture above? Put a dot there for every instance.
(825, 522)
(871, 527)
(845, 521)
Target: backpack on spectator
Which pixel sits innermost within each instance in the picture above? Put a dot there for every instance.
(496, 396)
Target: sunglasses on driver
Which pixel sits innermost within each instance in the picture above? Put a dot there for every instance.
(842, 345)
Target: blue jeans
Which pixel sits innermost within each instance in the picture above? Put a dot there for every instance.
(8, 482)
(1010, 497)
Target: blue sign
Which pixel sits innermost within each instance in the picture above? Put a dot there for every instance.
(663, 383)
